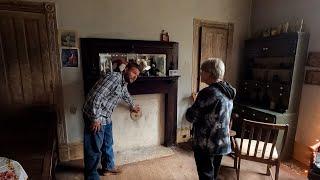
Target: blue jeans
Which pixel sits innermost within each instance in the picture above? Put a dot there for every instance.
(97, 146)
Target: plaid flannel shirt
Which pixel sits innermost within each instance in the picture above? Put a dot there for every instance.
(104, 97)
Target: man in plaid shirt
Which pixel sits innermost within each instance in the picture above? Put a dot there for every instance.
(97, 110)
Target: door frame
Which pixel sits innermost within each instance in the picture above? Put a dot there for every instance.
(197, 24)
(49, 10)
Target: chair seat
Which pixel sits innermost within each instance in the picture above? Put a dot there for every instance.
(233, 133)
(245, 145)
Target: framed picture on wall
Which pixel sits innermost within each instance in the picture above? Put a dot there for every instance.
(68, 38)
(312, 77)
(70, 57)
(314, 59)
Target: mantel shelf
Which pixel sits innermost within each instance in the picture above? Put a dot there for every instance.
(158, 78)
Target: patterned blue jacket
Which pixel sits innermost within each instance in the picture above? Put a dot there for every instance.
(210, 115)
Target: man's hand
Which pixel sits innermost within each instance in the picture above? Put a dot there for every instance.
(95, 126)
(135, 109)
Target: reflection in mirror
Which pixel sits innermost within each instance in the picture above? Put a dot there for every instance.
(151, 64)
(105, 63)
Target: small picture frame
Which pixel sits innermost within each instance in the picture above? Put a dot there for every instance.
(68, 38)
(174, 72)
(314, 59)
(70, 57)
(312, 77)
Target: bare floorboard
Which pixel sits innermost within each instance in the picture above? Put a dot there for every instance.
(181, 165)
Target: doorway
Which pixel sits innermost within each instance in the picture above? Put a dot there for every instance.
(210, 40)
(30, 70)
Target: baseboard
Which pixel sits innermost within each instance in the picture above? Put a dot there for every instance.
(72, 151)
(302, 153)
(183, 134)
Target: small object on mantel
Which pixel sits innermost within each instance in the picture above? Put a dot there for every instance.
(164, 36)
(174, 72)
(136, 115)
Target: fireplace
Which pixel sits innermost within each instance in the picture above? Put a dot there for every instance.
(91, 50)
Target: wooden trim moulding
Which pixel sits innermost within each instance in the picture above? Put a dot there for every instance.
(197, 24)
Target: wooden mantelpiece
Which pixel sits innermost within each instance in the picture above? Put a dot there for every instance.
(168, 85)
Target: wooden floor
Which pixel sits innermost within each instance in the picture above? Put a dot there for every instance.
(181, 165)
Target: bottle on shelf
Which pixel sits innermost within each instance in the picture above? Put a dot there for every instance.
(272, 103)
(258, 96)
(265, 98)
(280, 104)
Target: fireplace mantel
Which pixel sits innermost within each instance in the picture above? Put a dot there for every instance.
(168, 85)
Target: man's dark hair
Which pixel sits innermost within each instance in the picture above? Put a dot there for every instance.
(133, 65)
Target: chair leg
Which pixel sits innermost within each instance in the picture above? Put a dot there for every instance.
(235, 162)
(238, 169)
(277, 170)
(268, 170)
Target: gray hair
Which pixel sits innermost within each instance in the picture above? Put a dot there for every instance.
(215, 67)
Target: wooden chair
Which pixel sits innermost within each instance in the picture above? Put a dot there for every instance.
(233, 133)
(258, 143)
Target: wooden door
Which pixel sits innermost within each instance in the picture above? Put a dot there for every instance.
(214, 43)
(30, 70)
(25, 64)
(210, 40)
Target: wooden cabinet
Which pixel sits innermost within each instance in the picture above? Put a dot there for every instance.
(271, 86)
(274, 73)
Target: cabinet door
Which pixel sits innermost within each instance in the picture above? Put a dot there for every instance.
(254, 48)
(271, 47)
(282, 47)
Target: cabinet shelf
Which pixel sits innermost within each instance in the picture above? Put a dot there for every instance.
(266, 82)
(272, 69)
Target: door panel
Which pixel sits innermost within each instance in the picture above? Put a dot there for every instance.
(214, 43)
(25, 63)
(11, 62)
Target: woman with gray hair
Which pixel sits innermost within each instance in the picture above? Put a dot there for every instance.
(210, 115)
